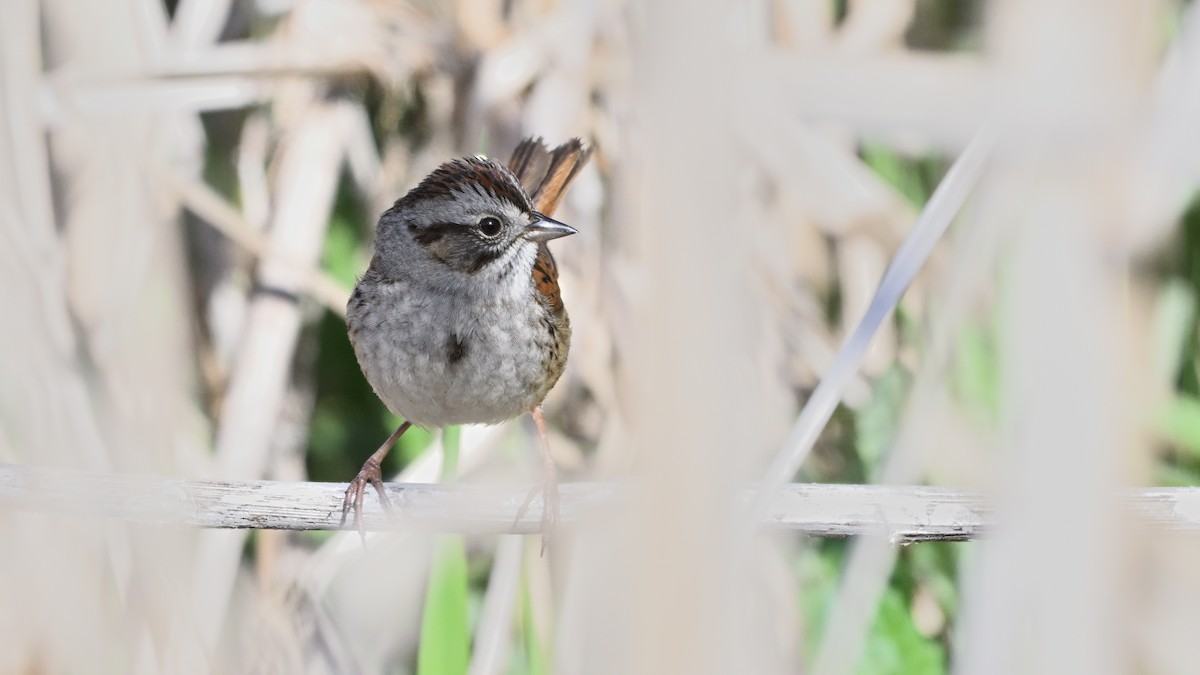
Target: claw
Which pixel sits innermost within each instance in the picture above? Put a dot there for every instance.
(533, 491)
(355, 491)
(550, 509)
(369, 475)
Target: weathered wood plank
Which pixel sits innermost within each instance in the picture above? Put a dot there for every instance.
(900, 513)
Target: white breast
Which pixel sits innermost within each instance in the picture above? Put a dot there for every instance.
(404, 338)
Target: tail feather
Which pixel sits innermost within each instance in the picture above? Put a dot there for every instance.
(545, 174)
(529, 163)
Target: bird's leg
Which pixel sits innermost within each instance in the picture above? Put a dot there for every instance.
(370, 474)
(548, 486)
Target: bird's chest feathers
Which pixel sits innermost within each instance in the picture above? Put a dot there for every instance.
(492, 315)
(459, 356)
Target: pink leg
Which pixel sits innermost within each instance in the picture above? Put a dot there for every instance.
(370, 475)
(548, 487)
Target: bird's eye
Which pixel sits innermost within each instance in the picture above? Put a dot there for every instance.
(489, 226)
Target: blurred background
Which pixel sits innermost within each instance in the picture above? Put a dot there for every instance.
(188, 190)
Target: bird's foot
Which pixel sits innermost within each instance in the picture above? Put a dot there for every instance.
(369, 475)
(550, 507)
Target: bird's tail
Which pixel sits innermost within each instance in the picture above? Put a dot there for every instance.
(545, 174)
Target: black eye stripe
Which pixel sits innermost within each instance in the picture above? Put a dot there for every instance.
(426, 235)
(479, 258)
(434, 232)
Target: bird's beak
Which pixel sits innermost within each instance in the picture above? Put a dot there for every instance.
(545, 228)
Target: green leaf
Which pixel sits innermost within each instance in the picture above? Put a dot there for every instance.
(1170, 475)
(450, 439)
(1179, 423)
(343, 256)
(875, 425)
(976, 373)
(896, 647)
(935, 564)
(1174, 317)
(904, 175)
(412, 444)
(535, 651)
(818, 570)
(445, 647)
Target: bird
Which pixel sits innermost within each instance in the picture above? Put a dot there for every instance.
(459, 319)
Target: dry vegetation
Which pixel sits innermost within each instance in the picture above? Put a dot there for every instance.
(187, 193)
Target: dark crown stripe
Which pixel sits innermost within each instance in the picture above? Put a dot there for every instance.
(460, 175)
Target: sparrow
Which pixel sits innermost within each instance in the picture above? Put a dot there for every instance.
(459, 319)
